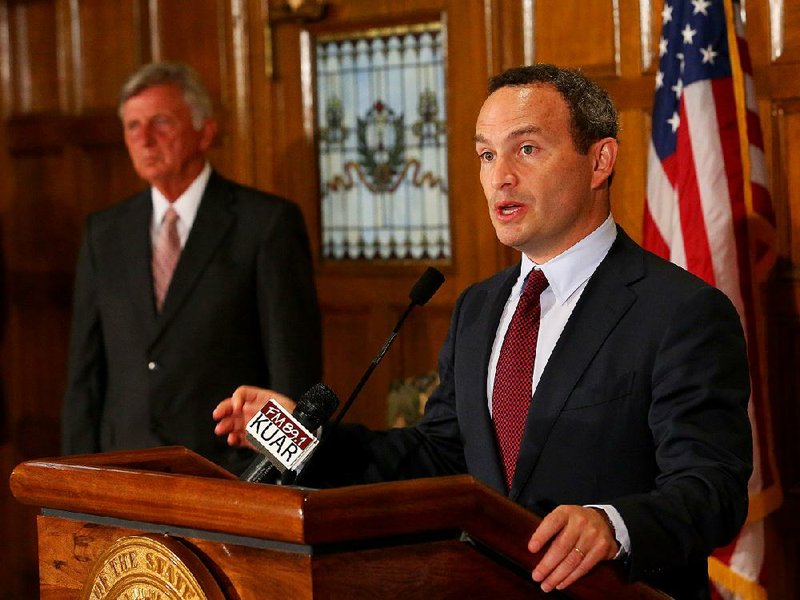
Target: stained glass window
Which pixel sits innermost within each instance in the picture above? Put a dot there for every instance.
(383, 144)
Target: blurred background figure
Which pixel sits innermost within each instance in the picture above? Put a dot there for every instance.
(186, 290)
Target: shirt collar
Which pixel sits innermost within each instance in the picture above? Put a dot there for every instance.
(572, 268)
(186, 204)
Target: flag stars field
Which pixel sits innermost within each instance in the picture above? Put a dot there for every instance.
(701, 6)
(709, 54)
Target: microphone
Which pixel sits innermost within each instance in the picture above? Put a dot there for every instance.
(424, 289)
(427, 285)
(286, 440)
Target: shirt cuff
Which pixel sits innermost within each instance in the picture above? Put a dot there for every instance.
(620, 531)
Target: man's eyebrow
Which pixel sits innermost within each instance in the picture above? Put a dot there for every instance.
(521, 132)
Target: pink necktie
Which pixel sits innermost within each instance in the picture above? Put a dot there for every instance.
(166, 252)
(511, 395)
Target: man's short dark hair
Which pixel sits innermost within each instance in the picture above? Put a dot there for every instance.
(594, 116)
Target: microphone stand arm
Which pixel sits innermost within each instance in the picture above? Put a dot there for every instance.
(371, 367)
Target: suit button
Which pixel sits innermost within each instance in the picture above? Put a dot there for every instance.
(152, 365)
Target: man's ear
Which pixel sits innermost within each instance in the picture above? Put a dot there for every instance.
(207, 133)
(604, 157)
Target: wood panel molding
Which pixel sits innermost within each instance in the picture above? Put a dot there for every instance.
(36, 133)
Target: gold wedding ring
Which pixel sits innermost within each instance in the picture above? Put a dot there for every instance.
(579, 551)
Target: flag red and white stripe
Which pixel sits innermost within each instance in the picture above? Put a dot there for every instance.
(708, 209)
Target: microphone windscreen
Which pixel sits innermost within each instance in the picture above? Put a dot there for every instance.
(426, 286)
(316, 406)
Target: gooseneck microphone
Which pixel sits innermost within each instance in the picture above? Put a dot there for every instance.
(424, 289)
(283, 440)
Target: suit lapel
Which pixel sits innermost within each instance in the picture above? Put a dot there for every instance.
(133, 236)
(212, 222)
(603, 303)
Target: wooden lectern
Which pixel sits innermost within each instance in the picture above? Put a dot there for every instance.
(141, 524)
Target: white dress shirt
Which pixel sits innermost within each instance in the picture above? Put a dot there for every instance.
(185, 205)
(568, 273)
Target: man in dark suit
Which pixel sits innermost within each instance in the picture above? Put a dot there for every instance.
(150, 357)
(636, 443)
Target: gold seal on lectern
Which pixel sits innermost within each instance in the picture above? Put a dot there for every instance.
(149, 568)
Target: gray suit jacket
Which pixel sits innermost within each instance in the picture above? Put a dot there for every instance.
(241, 309)
(642, 405)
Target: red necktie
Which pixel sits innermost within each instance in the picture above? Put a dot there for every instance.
(511, 395)
(166, 252)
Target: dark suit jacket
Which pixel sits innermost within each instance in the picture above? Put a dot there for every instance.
(241, 309)
(642, 405)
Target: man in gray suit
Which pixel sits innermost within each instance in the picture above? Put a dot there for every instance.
(153, 350)
(634, 442)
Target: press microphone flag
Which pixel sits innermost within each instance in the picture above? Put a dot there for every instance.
(286, 440)
(277, 434)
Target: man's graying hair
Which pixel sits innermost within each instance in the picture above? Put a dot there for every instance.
(594, 116)
(178, 74)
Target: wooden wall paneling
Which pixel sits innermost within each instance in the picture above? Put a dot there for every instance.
(104, 176)
(106, 38)
(423, 339)
(655, 8)
(237, 93)
(759, 29)
(787, 198)
(784, 300)
(347, 348)
(507, 27)
(639, 26)
(215, 42)
(35, 77)
(785, 31)
(779, 184)
(37, 211)
(199, 40)
(5, 62)
(773, 29)
(38, 284)
(574, 33)
(286, 136)
(774, 42)
(628, 189)
(632, 89)
(262, 104)
(783, 347)
(35, 228)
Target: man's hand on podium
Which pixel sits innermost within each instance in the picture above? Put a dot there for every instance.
(579, 536)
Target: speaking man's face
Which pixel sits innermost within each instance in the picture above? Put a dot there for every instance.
(540, 189)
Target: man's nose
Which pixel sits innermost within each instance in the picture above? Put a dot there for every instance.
(148, 135)
(503, 174)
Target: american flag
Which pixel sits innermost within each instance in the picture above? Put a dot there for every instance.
(708, 209)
